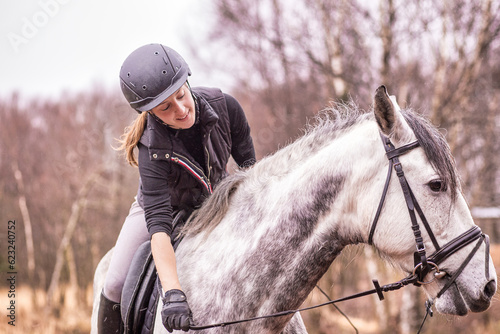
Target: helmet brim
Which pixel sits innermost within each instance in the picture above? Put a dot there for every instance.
(151, 102)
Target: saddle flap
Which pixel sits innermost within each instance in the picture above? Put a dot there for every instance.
(137, 289)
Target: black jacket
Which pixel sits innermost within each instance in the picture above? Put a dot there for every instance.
(171, 177)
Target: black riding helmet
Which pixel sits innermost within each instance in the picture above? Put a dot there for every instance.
(151, 74)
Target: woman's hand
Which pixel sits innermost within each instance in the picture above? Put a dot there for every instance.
(176, 313)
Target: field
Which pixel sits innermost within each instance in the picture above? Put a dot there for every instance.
(74, 307)
(74, 317)
(72, 314)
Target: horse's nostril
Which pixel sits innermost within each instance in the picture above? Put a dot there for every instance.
(490, 288)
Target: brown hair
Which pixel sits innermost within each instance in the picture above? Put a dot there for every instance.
(130, 138)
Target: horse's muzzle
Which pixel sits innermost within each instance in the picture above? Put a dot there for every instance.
(484, 300)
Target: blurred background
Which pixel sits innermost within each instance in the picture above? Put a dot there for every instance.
(61, 112)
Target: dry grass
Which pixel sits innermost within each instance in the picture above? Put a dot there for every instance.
(71, 314)
(74, 307)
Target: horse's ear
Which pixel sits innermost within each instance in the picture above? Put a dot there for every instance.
(389, 119)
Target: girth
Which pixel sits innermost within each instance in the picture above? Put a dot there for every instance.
(423, 264)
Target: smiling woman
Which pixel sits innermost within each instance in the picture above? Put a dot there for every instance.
(185, 138)
(178, 110)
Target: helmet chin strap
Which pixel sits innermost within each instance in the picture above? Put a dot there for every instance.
(191, 91)
(196, 104)
(158, 119)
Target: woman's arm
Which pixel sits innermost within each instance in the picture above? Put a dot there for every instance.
(158, 214)
(175, 312)
(155, 193)
(164, 258)
(242, 148)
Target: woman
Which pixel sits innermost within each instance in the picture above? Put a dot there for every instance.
(184, 138)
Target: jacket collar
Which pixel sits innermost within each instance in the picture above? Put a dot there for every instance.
(206, 114)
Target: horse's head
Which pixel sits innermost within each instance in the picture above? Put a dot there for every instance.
(453, 263)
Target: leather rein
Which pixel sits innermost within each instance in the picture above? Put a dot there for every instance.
(423, 264)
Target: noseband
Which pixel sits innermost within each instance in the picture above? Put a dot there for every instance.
(424, 264)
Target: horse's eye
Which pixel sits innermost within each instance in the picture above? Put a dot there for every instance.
(437, 185)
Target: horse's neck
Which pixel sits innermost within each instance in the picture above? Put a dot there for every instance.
(303, 186)
(286, 223)
(302, 212)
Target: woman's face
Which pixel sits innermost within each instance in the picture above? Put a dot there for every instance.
(178, 110)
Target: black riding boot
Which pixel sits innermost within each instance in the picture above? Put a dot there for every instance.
(109, 320)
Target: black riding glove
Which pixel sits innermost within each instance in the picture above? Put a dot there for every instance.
(176, 313)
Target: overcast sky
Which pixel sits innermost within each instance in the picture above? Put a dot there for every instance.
(51, 46)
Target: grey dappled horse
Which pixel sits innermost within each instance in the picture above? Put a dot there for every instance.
(266, 236)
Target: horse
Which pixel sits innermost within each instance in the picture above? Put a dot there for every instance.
(267, 234)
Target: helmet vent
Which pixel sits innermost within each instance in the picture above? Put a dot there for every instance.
(164, 71)
(144, 87)
(157, 53)
(128, 75)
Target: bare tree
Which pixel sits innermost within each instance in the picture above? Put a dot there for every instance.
(76, 211)
(47, 150)
(441, 58)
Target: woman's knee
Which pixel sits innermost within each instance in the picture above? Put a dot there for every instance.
(113, 286)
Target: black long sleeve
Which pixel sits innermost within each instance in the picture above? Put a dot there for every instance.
(242, 149)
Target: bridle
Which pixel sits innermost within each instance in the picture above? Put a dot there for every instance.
(424, 264)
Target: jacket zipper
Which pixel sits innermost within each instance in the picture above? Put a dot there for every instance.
(193, 170)
(208, 164)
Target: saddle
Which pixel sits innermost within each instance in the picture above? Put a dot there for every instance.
(140, 294)
(138, 290)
